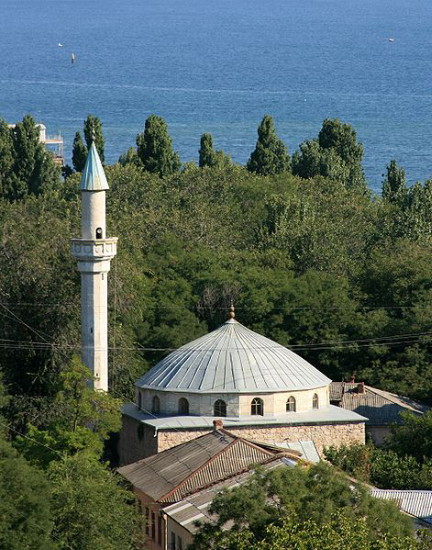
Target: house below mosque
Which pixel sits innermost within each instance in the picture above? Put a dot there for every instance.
(175, 488)
(263, 391)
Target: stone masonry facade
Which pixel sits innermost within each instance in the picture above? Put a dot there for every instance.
(323, 435)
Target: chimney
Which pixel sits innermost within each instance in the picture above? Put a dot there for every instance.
(361, 387)
(217, 424)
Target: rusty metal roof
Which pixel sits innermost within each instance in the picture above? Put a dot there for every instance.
(380, 407)
(93, 177)
(174, 473)
(195, 507)
(233, 359)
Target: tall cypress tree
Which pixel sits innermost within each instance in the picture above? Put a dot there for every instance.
(79, 153)
(93, 132)
(6, 160)
(394, 188)
(33, 170)
(155, 150)
(271, 154)
(206, 151)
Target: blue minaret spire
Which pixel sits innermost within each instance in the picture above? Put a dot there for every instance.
(94, 252)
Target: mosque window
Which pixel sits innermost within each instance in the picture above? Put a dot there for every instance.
(220, 408)
(183, 406)
(99, 233)
(139, 400)
(257, 406)
(315, 402)
(156, 405)
(291, 404)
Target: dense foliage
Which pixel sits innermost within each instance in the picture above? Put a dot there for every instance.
(298, 507)
(404, 463)
(309, 258)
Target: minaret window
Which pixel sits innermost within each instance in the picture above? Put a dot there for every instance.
(291, 404)
(220, 408)
(183, 406)
(156, 405)
(315, 402)
(257, 406)
(139, 400)
(99, 233)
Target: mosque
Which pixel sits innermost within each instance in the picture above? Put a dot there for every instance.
(261, 390)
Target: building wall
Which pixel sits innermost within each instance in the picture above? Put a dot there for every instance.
(378, 434)
(237, 404)
(183, 538)
(136, 441)
(322, 435)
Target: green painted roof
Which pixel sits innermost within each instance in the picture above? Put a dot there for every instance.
(93, 177)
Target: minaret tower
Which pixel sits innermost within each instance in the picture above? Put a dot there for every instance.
(94, 252)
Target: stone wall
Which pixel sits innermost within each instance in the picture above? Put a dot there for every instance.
(322, 435)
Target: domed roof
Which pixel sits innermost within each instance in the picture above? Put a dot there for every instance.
(232, 359)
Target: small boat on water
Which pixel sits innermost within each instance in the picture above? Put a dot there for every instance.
(391, 39)
(73, 58)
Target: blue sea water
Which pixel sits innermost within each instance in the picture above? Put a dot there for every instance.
(219, 65)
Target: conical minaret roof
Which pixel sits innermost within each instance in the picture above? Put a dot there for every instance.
(233, 359)
(93, 177)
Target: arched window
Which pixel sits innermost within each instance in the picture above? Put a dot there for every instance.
(220, 408)
(315, 401)
(156, 405)
(183, 406)
(257, 406)
(291, 404)
(139, 400)
(99, 233)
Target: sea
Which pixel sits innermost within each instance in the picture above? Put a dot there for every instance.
(219, 65)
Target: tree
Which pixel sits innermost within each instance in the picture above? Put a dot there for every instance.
(209, 157)
(79, 153)
(271, 154)
(25, 503)
(93, 132)
(83, 420)
(33, 168)
(130, 157)
(6, 161)
(394, 188)
(335, 154)
(312, 495)
(91, 509)
(155, 150)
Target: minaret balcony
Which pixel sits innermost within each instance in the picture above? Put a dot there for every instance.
(94, 250)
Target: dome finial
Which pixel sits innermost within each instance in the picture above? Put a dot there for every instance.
(231, 311)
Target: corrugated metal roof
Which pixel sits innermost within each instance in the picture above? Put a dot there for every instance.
(415, 503)
(325, 415)
(380, 407)
(233, 358)
(170, 475)
(93, 177)
(196, 507)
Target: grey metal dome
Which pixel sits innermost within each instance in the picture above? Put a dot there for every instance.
(232, 359)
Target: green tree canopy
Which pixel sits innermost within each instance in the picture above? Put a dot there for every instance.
(209, 157)
(271, 154)
(26, 518)
(394, 188)
(154, 147)
(93, 132)
(335, 154)
(91, 509)
(82, 421)
(315, 494)
(79, 153)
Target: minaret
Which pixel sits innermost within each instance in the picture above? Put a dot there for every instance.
(94, 252)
